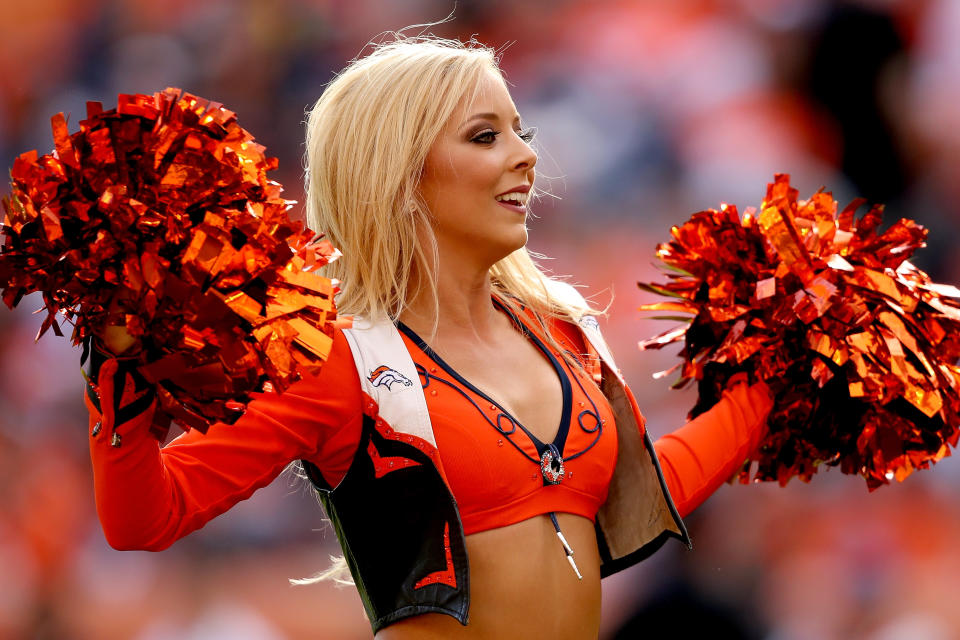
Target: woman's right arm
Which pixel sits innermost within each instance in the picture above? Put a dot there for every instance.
(148, 497)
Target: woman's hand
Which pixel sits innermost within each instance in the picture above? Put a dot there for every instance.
(117, 392)
(117, 339)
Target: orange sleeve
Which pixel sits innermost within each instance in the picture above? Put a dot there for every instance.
(703, 454)
(147, 497)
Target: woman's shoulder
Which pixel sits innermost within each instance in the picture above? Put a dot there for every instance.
(568, 296)
(338, 370)
(563, 329)
(564, 307)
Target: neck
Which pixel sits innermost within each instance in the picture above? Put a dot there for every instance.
(463, 303)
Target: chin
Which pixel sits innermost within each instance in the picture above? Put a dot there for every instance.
(514, 239)
(492, 245)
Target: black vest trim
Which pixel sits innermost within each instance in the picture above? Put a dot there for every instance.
(609, 567)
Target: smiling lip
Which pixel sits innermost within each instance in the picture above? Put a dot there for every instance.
(524, 188)
(513, 207)
(519, 208)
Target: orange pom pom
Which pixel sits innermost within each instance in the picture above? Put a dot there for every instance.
(859, 346)
(158, 217)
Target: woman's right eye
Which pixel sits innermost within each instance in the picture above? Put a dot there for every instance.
(485, 137)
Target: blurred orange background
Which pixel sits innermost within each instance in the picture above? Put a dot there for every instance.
(647, 111)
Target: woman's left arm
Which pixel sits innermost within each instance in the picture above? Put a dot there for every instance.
(704, 453)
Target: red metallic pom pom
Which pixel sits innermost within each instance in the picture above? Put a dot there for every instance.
(860, 347)
(158, 216)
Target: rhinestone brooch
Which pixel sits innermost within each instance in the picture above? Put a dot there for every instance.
(551, 466)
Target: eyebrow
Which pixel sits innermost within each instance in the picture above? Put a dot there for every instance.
(486, 116)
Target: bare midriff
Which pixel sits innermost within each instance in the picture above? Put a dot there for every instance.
(521, 586)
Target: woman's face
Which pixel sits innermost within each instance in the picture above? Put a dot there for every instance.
(478, 175)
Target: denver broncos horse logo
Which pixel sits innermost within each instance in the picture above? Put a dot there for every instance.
(384, 376)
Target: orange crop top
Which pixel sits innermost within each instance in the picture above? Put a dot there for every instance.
(493, 464)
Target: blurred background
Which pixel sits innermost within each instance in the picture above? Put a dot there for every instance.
(647, 111)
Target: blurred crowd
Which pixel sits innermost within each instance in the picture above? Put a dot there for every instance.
(647, 111)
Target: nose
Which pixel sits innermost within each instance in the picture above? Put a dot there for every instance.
(525, 157)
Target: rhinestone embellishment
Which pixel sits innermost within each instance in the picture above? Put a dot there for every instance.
(551, 466)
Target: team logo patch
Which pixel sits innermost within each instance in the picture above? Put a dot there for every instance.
(384, 376)
(589, 322)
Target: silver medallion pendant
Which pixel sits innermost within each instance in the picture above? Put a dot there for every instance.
(551, 466)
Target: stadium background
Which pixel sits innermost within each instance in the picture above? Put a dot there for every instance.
(647, 111)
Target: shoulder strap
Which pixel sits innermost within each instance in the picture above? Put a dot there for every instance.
(588, 324)
(389, 376)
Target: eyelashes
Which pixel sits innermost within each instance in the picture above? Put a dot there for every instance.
(528, 134)
(489, 136)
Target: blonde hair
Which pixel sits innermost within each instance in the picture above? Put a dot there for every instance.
(367, 138)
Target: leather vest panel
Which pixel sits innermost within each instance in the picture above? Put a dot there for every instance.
(399, 529)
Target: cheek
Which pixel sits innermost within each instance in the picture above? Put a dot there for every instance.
(439, 179)
(459, 177)
(481, 171)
